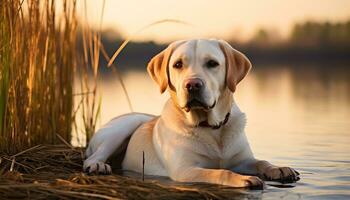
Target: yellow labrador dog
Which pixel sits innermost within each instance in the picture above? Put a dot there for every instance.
(199, 136)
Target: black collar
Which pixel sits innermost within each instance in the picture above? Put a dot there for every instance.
(205, 124)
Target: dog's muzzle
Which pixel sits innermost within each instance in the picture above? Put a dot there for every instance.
(195, 88)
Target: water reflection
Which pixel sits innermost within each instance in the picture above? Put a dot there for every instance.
(297, 116)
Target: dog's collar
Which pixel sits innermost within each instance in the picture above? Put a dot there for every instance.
(205, 124)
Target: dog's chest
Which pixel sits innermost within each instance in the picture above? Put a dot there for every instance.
(217, 146)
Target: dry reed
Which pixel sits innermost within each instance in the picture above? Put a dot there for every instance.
(90, 103)
(37, 67)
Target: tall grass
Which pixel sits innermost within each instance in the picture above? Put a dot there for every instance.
(90, 102)
(38, 60)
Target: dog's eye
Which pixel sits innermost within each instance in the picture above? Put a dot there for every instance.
(178, 64)
(212, 64)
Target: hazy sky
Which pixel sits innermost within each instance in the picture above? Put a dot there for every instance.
(220, 19)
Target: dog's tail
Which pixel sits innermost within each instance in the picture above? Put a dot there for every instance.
(112, 135)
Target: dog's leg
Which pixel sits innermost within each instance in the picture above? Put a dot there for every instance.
(109, 139)
(267, 171)
(217, 176)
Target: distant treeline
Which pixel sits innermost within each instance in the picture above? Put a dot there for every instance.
(308, 42)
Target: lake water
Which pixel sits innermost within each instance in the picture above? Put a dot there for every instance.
(298, 116)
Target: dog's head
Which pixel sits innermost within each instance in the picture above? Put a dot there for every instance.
(198, 73)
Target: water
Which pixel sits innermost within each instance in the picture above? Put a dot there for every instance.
(298, 116)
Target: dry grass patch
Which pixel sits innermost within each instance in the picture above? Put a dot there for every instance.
(54, 171)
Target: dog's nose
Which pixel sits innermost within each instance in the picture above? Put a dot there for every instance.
(193, 84)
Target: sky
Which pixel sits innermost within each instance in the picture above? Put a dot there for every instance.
(208, 18)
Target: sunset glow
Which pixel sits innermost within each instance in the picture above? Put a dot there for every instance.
(221, 19)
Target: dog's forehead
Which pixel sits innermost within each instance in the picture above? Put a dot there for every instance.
(198, 48)
(208, 47)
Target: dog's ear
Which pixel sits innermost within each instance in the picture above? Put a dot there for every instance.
(158, 66)
(237, 65)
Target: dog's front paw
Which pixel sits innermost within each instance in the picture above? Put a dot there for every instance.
(98, 168)
(253, 182)
(281, 174)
